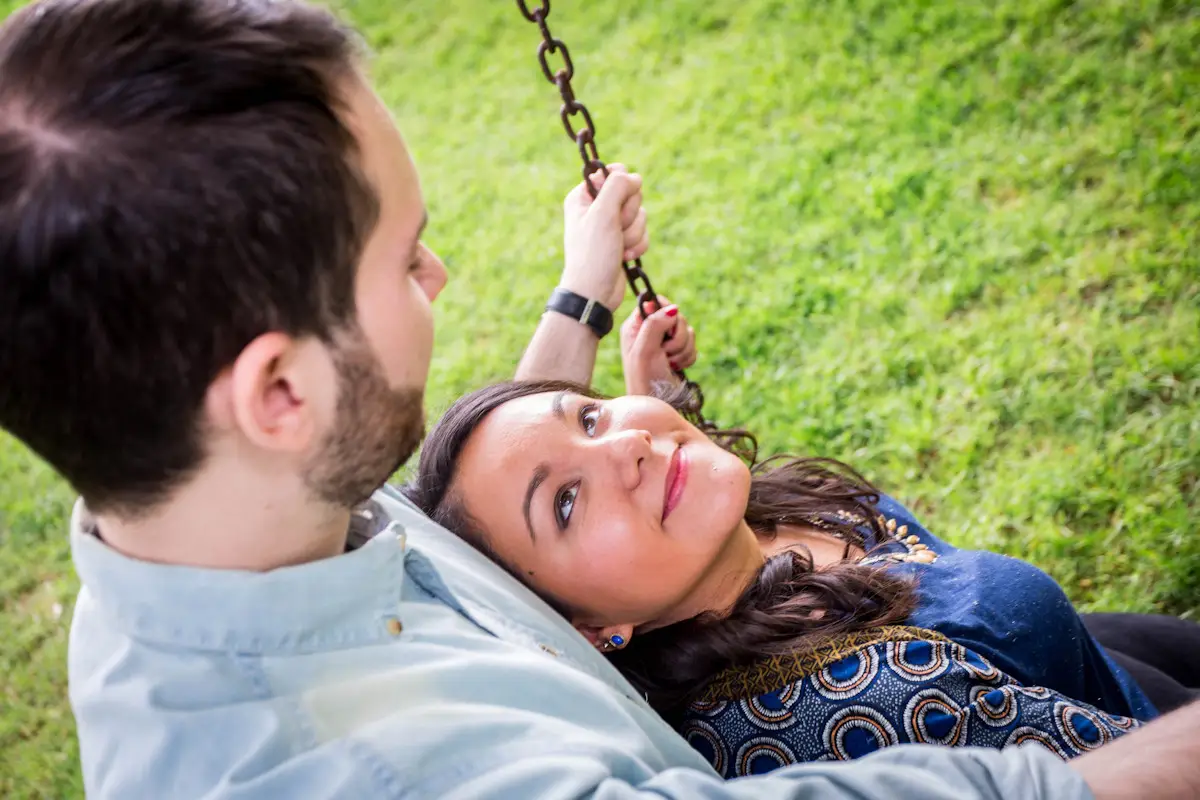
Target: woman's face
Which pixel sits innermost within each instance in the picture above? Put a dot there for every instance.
(619, 509)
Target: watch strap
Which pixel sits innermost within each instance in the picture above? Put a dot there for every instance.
(592, 313)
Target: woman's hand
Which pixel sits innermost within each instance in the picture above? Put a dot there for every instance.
(654, 349)
(601, 233)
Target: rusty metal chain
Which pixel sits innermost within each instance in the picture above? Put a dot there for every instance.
(585, 139)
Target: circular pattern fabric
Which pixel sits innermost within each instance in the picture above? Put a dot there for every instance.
(918, 661)
(763, 754)
(931, 717)
(857, 731)
(850, 676)
(975, 664)
(709, 709)
(773, 710)
(998, 707)
(1025, 735)
(1036, 692)
(705, 739)
(1123, 723)
(1080, 727)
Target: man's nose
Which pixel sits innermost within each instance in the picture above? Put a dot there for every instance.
(433, 275)
(629, 449)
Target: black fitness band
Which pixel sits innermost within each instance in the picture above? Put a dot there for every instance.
(590, 312)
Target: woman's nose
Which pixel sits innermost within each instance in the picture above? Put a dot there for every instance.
(629, 449)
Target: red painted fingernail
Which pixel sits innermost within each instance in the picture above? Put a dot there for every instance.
(672, 312)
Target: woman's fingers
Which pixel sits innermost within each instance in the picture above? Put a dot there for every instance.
(598, 177)
(648, 342)
(654, 347)
(681, 347)
(688, 357)
(581, 197)
(630, 209)
(678, 343)
(683, 338)
(637, 237)
(651, 306)
(631, 205)
(679, 338)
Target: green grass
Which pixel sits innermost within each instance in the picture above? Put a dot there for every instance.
(953, 242)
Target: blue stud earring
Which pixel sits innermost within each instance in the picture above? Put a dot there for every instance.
(614, 642)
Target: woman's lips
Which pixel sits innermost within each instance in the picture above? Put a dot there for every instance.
(677, 472)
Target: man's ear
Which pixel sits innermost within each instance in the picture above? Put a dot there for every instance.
(607, 637)
(280, 394)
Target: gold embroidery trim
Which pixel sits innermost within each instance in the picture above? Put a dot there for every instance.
(769, 674)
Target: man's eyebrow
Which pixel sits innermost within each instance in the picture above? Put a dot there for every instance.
(539, 476)
(416, 242)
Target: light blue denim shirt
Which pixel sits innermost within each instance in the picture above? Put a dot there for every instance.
(409, 668)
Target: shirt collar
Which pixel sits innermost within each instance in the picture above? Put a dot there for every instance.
(357, 595)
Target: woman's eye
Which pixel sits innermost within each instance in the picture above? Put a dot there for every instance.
(564, 504)
(589, 418)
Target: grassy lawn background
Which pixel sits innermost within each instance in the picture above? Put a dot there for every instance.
(954, 243)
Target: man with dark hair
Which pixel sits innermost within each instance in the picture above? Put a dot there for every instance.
(215, 323)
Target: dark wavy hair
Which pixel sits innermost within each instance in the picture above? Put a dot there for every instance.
(789, 606)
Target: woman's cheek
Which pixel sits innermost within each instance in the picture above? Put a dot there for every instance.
(619, 546)
(732, 486)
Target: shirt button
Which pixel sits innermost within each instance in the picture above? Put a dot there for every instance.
(394, 627)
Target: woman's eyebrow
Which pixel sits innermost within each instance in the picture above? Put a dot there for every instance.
(543, 470)
(539, 475)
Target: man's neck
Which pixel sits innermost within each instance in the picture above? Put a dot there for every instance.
(231, 522)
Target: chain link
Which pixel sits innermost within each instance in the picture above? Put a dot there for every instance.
(584, 138)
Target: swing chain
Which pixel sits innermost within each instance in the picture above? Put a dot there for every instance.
(585, 136)
(585, 139)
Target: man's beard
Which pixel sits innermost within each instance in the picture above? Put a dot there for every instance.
(377, 428)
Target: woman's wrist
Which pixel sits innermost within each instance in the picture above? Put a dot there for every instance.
(584, 309)
(605, 286)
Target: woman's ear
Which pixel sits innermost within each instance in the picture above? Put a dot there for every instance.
(606, 638)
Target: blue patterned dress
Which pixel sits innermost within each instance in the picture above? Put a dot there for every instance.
(994, 656)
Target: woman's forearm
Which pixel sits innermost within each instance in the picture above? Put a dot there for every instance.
(561, 349)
